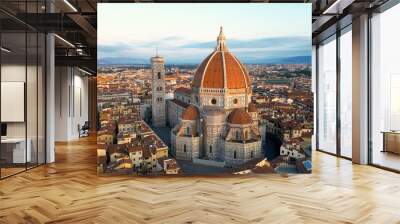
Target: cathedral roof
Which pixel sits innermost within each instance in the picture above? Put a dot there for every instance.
(221, 69)
(191, 113)
(239, 116)
(252, 108)
(183, 90)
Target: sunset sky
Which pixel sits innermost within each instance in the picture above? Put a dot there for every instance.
(186, 33)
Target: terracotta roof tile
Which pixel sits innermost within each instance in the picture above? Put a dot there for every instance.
(114, 148)
(236, 75)
(210, 73)
(214, 73)
(199, 72)
(252, 107)
(239, 116)
(191, 113)
(183, 90)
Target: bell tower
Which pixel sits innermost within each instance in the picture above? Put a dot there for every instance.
(158, 91)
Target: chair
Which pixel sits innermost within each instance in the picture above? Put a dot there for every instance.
(84, 130)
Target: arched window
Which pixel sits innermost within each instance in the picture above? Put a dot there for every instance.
(237, 135)
(234, 154)
(184, 148)
(187, 130)
(210, 148)
(159, 75)
(251, 154)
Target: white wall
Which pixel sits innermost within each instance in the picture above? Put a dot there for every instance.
(81, 103)
(71, 102)
(61, 103)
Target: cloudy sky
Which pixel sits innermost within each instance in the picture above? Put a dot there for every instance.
(186, 33)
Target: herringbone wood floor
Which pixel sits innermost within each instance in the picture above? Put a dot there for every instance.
(69, 191)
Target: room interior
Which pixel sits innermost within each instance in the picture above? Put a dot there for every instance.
(22, 105)
(335, 51)
(48, 91)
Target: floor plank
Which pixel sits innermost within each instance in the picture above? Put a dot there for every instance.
(69, 191)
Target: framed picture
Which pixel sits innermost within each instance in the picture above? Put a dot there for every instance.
(198, 89)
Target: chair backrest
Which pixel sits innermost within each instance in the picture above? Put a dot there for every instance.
(86, 125)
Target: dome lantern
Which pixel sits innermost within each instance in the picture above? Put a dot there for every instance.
(221, 46)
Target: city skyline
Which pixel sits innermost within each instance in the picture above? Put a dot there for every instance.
(285, 37)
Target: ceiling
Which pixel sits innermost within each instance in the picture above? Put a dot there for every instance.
(75, 22)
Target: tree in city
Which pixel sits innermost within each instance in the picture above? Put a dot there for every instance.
(143, 168)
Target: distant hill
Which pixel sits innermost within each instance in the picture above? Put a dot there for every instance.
(132, 61)
(294, 60)
(122, 61)
(263, 50)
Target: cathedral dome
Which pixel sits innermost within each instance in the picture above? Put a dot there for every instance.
(239, 116)
(191, 113)
(252, 108)
(221, 70)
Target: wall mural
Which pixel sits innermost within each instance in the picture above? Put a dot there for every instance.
(193, 89)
